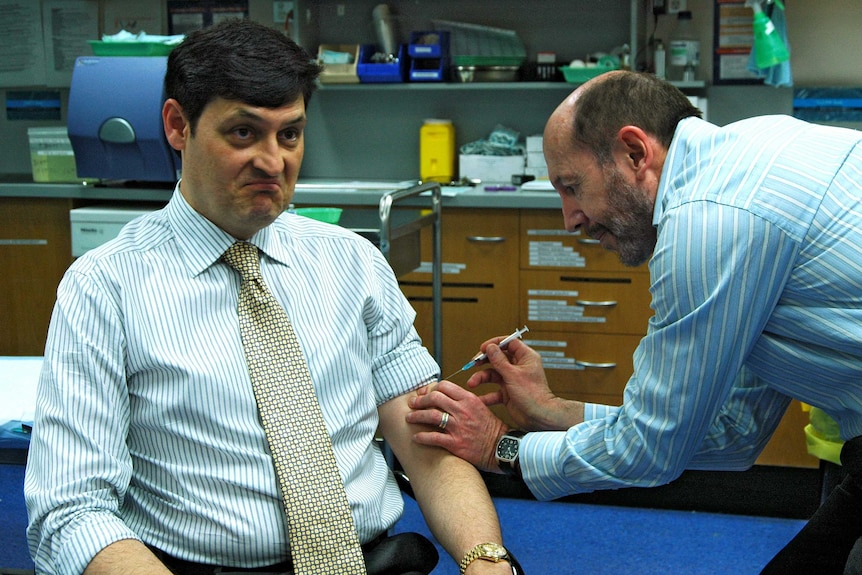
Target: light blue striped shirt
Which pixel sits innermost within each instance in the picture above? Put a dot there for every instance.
(756, 285)
(146, 425)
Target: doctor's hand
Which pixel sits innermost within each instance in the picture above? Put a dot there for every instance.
(524, 389)
(523, 384)
(461, 423)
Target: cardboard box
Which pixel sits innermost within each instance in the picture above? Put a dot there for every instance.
(339, 73)
(534, 143)
(540, 173)
(490, 168)
(536, 160)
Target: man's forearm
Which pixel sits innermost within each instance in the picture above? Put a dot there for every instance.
(126, 557)
(449, 490)
(456, 505)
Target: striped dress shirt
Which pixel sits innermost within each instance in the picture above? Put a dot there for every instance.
(756, 284)
(146, 424)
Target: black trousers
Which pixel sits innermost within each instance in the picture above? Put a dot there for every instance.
(831, 541)
(401, 554)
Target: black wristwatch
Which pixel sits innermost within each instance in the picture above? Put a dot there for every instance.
(507, 452)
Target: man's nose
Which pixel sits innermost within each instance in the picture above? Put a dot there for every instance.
(573, 217)
(268, 157)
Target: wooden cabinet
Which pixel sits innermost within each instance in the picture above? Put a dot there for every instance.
(35, 250)
(480, 282)
(586, 311)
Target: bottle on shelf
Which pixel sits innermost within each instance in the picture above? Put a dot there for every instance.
(684, 50)
(437, 151)
(769, 48)
(659, 59)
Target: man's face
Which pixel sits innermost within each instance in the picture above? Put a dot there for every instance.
(241, 165)
(600, 200)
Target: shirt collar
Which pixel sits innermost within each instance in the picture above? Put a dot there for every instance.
(674, 162)
(202, 243)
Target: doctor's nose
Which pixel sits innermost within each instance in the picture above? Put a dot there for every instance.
(574, 218)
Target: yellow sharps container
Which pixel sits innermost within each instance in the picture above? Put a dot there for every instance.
(437, 151)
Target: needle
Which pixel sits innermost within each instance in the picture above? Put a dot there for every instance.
(481, 356)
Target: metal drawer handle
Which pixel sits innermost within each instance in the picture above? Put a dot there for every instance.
(589, 241)
(487, 239)
(586, 303)
(604, 365)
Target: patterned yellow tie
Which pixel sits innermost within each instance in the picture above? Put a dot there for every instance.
(323, 539)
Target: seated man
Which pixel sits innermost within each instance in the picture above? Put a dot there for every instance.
(155, 445)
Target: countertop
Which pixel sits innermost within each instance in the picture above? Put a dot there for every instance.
(308, 192)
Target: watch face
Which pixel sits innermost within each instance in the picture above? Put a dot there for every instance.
(507, 449)
(493, 551)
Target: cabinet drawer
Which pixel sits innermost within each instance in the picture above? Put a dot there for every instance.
(581, 365)
(545, 244)
(585, 302)
(471, 315)
(480, 247)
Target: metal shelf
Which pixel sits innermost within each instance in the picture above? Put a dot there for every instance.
(473, 86)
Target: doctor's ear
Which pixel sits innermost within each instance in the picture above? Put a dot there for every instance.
(177, 129)
(635, 144)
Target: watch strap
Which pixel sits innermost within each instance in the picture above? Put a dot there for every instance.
(489, 552)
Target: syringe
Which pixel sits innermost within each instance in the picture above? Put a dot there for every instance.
(481, 356)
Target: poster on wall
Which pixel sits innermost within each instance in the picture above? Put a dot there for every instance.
(22, 52)
(733, 39)
(184, 16)
(67, 28)
(132, 16)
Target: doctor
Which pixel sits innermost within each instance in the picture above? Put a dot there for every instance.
(753, 233)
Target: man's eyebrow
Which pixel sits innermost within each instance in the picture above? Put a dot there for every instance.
(246, 114)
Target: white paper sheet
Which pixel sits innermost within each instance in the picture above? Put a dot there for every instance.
(18, 379)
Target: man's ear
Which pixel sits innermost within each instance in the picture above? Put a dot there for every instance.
(177, 129)
(635, 147)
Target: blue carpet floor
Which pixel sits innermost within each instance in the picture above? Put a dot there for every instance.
(585, 539)
(559, 538)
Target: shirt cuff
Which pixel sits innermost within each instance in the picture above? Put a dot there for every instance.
(598, 411)
(85, 540)
(539, 454)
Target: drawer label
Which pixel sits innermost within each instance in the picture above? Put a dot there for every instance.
(447, 268)
(553, 292)
(555, 254)
(560, 311)
(544, 343)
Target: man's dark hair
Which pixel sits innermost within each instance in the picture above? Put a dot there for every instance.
(239, 60)
(628, 99)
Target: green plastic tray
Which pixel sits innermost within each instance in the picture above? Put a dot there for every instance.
(581, 75)
(328, 215)
(101, 48)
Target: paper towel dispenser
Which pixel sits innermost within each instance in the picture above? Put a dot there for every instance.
(115, 119)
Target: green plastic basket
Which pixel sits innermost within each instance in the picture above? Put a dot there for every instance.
(581, 75)
(328, 215)
(102, 48)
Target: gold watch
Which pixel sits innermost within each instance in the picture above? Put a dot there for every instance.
(493, 552)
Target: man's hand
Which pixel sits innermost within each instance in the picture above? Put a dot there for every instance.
(471, 430)
(523, 388)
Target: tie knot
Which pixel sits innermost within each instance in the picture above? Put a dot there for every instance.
(244, 258)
